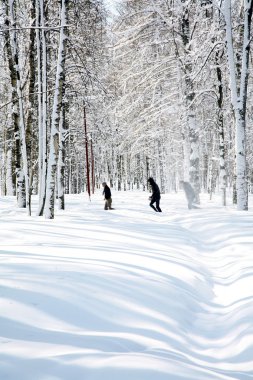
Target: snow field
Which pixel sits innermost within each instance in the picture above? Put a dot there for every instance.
(126, 294)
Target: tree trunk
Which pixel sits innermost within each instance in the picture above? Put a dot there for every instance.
(61, 162)
(31, 103)
(24, 176)
(239, 97)
(92, 167)
(221, 133)
(86, 151)
(57, 104)
(42, 69)
(190, 116)
(15, 109)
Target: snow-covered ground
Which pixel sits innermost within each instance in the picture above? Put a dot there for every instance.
(127, 294)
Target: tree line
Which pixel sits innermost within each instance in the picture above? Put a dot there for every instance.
(163, 89)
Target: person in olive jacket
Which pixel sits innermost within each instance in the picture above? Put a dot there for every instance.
(107, 196)
(156, 196)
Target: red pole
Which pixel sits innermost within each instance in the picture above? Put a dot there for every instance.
(87, 152)
(92, 168)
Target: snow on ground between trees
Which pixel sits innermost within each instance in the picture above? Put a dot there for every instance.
(126, 294)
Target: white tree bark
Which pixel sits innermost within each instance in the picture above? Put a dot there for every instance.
(222, 174)
(61, 164)
(239, 97)
(13, 35)
(42, 84)
(190, 116)
(57, 104)
(9, 174)
(39, 84)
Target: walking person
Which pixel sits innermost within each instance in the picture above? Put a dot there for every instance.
(156, 196)
(189, 193)
(107, 196)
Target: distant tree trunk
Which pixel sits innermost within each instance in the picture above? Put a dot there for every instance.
(234, 188)
(86, 151)
(147, 170)
(186, 157)
(57, 104)
(137, 172)
(8, 177)
(123, 170)
(161, 166)
(92, 167)
(119, 172)
(10, 190)
(128, 164)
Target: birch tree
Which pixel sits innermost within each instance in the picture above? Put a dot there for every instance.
(61, 161)
(56, 112)
(31, 106)
(42, 102)
(239, 94)
(187, 32)
(18, 106)
(9, 164)
(21, 116)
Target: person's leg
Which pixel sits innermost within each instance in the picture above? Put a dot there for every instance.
(194, 203)
(151, 205)
(106, 205)
(109, 202)
(158, 206)
(190, 200)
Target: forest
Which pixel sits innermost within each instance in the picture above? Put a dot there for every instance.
(159, 88)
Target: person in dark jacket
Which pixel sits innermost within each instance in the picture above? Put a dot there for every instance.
(189, 193)
(107, 196)
(156, 196)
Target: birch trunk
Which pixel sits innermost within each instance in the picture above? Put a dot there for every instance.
(57, 104)
(8, 177)
(39, 84)
(23, 178)
(186, 156)
(15, 109)
(161, 166)
(30, 124)
(119, 173)
(194, 155)
(92, 167)
(239, 97)
(9, 172)
(42, 69)
(190, 116)
(61, 162)
(86, 152)
(222, 176)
